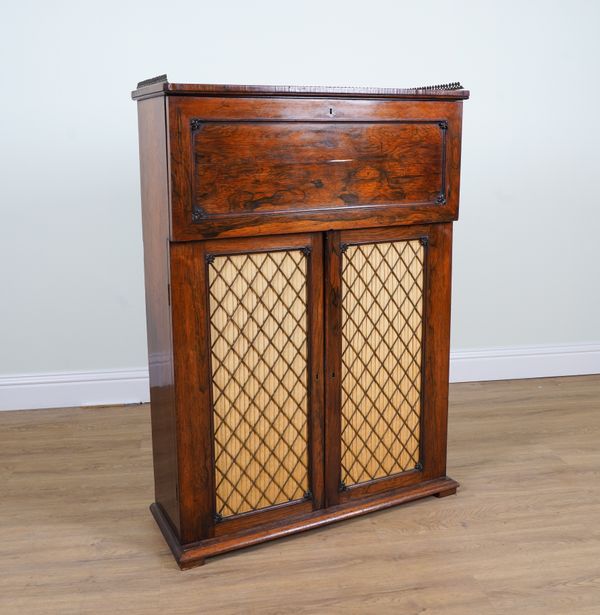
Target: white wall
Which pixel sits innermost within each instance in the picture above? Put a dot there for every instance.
(526, 270)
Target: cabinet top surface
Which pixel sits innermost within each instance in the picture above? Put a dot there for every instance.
(158, 86)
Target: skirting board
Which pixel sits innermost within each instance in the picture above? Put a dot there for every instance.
(524, 362)
(101, 388)
(74, 389)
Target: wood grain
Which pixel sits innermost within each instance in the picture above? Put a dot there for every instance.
(191, 355)
(264, 167)
(76, 536)
(333, 366)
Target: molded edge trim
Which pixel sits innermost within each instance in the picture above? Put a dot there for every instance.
(159, 86)
(190, 555)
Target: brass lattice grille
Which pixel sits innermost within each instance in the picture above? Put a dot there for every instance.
(382, 316)
(259, 374)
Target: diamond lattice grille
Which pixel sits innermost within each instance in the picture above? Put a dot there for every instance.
(259, 374)
(382, 317)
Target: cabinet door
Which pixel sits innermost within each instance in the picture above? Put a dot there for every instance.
(258, 356)
(387, 345)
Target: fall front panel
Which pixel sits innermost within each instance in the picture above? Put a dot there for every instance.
(259, 371)
(257, 167)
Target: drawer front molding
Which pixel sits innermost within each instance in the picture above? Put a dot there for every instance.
(282, 167)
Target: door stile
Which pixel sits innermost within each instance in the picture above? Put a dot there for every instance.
(333, 366)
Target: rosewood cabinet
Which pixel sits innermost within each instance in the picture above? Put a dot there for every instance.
(297, 246)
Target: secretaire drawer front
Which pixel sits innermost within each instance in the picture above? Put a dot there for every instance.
(368, 166)
(258, 167)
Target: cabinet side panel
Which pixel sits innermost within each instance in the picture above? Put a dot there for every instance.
(155, 218)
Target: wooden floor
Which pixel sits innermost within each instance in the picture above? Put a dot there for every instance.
(522, 535)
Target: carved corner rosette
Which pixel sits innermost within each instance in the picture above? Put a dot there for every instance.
(440, 199)
(196, 124)
(198, 214)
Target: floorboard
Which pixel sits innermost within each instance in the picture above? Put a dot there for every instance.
(521, 536)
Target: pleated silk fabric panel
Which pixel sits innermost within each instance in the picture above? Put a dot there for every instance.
(382, 323)
(258, 328)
